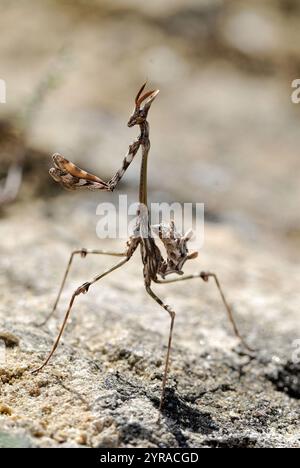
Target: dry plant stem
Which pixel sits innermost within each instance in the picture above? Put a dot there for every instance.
(12, 184)
(155, 265)
(83, 253)
(14, 178)
(81, 290)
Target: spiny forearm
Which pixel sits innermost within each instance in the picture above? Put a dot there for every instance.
(133, 149)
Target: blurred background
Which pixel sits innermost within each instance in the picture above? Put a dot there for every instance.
(224, 130)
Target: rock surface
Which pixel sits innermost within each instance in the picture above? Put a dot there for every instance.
(102, 387)
(225, 132)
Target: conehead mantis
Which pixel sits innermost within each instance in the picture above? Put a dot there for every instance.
(156, 267)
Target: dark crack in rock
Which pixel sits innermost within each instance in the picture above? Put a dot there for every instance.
(287, 379)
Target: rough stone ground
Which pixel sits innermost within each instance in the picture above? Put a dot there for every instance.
(223, 132)
(102, 387)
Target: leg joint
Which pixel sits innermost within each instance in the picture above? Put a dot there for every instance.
(83, 253)
(171, 312)
(82, 289)
(206, 275)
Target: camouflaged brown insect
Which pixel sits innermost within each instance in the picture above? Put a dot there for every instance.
(156, 267)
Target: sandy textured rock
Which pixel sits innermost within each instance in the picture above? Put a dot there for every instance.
(225, 132)
(102, 387)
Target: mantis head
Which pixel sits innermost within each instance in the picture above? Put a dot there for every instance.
(142, 105)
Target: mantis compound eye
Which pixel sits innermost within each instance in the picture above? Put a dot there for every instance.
(137, 118)
(132, 121)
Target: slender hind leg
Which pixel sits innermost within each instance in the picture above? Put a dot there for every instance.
(83, 253)
(172, 315)
(205, 276)
(81, 290)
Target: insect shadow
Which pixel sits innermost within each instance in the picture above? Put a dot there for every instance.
(177, 415)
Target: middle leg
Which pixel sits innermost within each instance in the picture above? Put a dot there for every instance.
(81, 290)
(83, 253)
